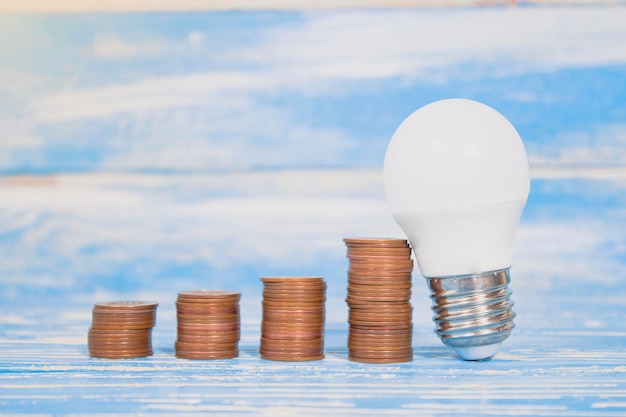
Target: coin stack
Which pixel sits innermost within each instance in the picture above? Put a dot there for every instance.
(121, 329)
(293, 318)
(208, 324)
(379, 293)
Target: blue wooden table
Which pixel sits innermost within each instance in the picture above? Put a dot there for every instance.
(147, 154)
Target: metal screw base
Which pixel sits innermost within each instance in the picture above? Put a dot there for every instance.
(473, 312)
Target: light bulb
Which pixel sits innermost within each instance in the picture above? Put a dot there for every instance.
(457, 180)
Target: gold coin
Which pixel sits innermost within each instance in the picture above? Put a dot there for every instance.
(120, 356)
(353, 299)
(207, 302)
(208, 318)
(287, 358)
(296, 354)
(291, 351)
(207, 338)
(292, 324)
(123, 320)
(293, 343)
(210, 294)
(381, 360)
(110, 341)
(207, 308)
(379, 318)
(118, 332)
(207, 356)
(378, 255)
(295, 335)
(105, 351)
(207, 326)
(122, 327)
(388, 353)
(126, 305)
(293, 297)
(375, 242)
(205, 347)
(195, 336)
(380, 347)
(282, 313)
(124, 314)
(292, 279)
(375, 284)
(381, 330)
(382, 344)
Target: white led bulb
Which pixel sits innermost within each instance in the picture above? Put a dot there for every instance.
(457, 180)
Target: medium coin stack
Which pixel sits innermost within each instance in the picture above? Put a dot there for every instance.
(292, 328)
(121, 329)
(379, 293)
(208, 324)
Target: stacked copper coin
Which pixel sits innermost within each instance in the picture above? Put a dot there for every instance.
(379, 293)
(293, 318)
(208, 324)
(122, 329)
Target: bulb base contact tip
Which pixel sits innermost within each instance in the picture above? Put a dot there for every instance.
(473, 313)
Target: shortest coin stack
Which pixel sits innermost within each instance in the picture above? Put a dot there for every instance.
(122, 329)
(293, 318)
(208, 324)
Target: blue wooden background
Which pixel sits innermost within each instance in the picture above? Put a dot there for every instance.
(146, 154)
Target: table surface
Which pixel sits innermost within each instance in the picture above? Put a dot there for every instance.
(542, 370)
(131, 173)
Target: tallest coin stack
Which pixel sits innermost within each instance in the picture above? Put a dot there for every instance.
(379, 293)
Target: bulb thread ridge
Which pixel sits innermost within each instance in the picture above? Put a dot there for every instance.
(472, 310)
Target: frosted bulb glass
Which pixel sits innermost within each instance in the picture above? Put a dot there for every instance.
(456, 178)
